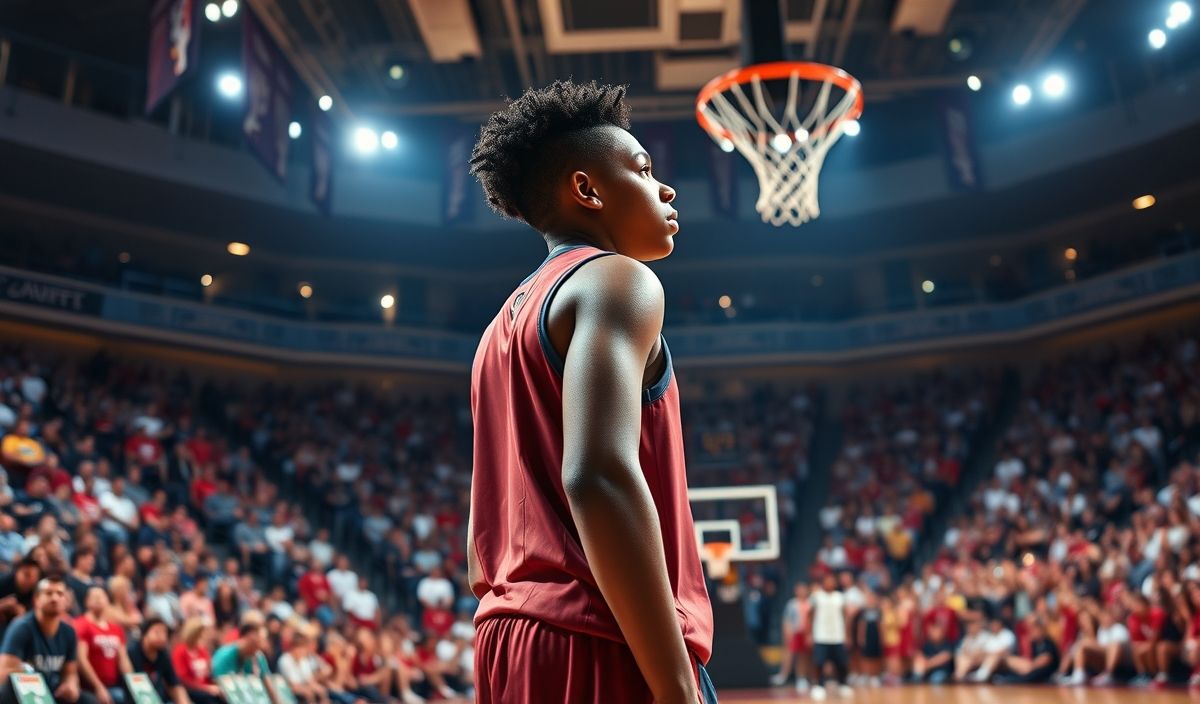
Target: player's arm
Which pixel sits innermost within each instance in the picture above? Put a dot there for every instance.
(474, 573)
(618, 305)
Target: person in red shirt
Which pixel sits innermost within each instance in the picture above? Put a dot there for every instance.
(1191, 641)
(144, 450)
(583, 550)
(1145, 625)
(102, 655)
(200, 448)
(316, 593)
(193, 662)
(369, 668)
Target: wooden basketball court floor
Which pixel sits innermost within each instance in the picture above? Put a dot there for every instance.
(973, 694)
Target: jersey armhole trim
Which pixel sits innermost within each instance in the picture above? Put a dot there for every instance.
(649, 395)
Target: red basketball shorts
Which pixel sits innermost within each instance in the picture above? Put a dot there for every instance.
(520, 660)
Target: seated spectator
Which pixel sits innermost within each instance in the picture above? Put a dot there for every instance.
(250, 540)
(193, 663)
(342, 579)
(317, 594)
(935, 662)
(304, 671)
(102, 657)
(124, 604)
(149, 656)
(44, 641)
(17, 590)
(195, 602)
(161, 600)
(362, 606)
(1099, 654)
(33, 503)
(244, 656)
(12, 543)
(221, 511)
(120, 513)
(436, 595)
(19, 452)
(1034, 665)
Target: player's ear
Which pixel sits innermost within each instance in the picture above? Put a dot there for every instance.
(583, 191)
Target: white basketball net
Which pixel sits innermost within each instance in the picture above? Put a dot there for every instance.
(786, 153)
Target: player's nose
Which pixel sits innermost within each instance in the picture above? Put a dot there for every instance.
(668, 193)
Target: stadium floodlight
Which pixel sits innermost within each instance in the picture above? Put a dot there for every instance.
(974, 83)
(1054, 85)
(1022, 94)
(1158, 39)
(396, 72)
(366, 140)
(229, 8)
(390, 140)
(927, 286)
(387, 301)
(295, 130)
(852, 128)
(213, 12)
(206, 280)
(325, 103)
(230, 85)
(1179, 13)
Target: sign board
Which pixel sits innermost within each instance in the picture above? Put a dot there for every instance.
(31, 688)
(142, 689)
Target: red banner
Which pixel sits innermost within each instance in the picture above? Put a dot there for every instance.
(174, 47)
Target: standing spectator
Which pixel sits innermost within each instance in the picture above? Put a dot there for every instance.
(42, 640)
(149, 656)
(102, 656)
(193, 663)
(829, 637)
(796, 640)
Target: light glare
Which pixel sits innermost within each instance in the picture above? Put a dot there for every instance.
(325, 103)
(1022, 94)
(213, 12)
(295, 130)
(389, 140)
(852, 128)
(229, 8)
(230, 85)
(1158, 39)
(1143, 202)
(238, 249)
(387, 301)
(1180, 12)
(366, 140)
(974, 83)
(1055, 85)
(927, 286)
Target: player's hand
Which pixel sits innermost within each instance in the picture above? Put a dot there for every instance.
(104, 697)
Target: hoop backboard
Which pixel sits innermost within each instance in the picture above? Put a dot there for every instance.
(747, 517)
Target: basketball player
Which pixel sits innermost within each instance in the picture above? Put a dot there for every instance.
(581, 544)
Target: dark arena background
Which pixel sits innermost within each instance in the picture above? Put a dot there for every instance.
(244, 270)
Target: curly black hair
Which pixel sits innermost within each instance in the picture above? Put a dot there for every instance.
(512, 158)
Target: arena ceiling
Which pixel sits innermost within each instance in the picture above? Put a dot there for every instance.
(460, 57)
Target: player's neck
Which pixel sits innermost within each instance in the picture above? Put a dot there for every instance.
(566, 234)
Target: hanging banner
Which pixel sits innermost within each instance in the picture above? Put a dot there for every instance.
(659, 141)
(268, 97)
(457, 201)
(962, 154)
(174, 47)
(321, 189)
(722, 180)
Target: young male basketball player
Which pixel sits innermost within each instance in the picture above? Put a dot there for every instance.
(581, 544)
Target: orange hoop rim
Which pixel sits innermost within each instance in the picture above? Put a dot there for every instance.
(807, 70)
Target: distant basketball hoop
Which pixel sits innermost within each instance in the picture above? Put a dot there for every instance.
(786, 151)
(716, 559)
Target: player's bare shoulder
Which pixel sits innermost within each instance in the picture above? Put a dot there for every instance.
(618, 288)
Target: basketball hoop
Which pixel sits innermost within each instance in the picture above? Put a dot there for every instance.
(787, 152)
(716, 559)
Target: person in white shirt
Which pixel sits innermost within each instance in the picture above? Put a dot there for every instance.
(361, 605)
(120, 513)
(303, 670)
(796, 639)
(1091, 655)
(829, 636)
(342, 579)
(971, 650)
(1000, 642)
(435, 591)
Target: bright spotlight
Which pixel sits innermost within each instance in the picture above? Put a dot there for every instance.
(230, 85)
(229, 8)
(213, 12)
(1158, 39)
(1054, 85)
(389, 140)
(1180, 12)
(1022, 94)
(726, 145)
(387, 301)
(295, 130)
(238, 249)
(206, 280)
(974, 83)
(927, 286)
(781, 142)
(396, 72)
(725, 302)
(852, 128)
(1143, 202)
(366, 140)
(306, 289)
(325, 103)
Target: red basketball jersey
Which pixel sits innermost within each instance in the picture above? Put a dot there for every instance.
(524, 536)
